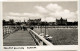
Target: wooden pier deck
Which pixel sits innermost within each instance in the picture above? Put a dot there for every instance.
(19, 38)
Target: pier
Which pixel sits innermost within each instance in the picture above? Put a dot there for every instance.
(15, 37)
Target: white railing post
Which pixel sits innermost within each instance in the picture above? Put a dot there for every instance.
(41, 40)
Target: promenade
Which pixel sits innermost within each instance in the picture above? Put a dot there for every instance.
(19, 38)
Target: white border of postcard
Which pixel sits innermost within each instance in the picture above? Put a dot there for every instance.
(56, 47)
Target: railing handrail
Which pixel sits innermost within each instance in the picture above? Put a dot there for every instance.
(43, 39)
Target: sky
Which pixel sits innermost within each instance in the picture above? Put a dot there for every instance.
(47, 11)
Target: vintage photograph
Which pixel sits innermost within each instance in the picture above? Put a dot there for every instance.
(40, 23)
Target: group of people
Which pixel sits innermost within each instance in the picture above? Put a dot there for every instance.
(25, 28)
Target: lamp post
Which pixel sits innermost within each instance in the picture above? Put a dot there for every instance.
(45, 27)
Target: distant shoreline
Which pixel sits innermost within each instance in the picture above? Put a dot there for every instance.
(57, 27)
(45, 26)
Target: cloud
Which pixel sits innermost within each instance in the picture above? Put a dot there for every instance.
(57, 11)
(50, 12)
(54, 7)
(30, 15)
(22, 16)
(48, 19)
(16, 18)
(13, 13)
(66, 14)
(41, 9)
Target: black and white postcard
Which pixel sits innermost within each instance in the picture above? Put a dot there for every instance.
(39, 24)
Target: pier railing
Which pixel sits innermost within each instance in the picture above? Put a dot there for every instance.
(39, 40)
(9, 29)
(73, 27)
